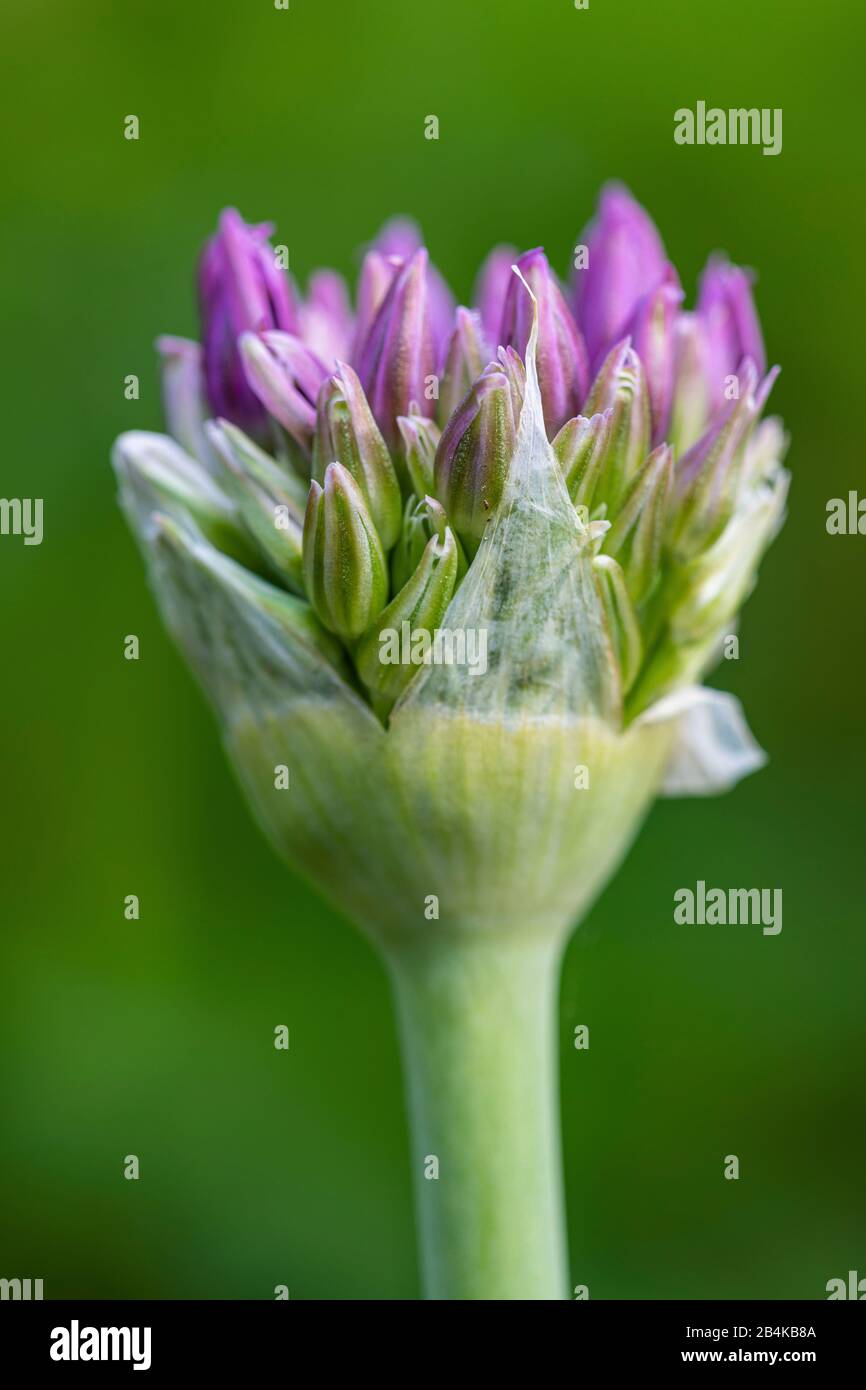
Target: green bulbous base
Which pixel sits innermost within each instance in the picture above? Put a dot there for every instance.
(445, 822)
(465, 850)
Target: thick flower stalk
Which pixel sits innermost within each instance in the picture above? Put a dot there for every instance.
(451, 577)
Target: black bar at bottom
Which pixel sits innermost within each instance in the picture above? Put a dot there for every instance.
(167, 1338)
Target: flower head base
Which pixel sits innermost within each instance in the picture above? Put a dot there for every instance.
(590, 487)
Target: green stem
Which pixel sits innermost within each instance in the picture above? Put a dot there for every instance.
(478, 1027)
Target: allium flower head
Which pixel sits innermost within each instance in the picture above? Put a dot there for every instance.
(585, 479)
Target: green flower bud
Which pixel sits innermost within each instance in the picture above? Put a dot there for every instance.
(421, 521)
(691, 402)
(475, 452)
(700, 599)
(511, 363)
(635, 538)
(620, 617)
(765, 450)
(581, 448)
(713, 588)
(420, 438)
(347, 433)
(436, 522)
(406, 555)
(621, 388)
(344, 564)
(268, 497)
(390, 653)
(710, 475)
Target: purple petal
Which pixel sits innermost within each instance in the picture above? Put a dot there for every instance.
(626, 261)
(325, 316)
(399, 237)
(285, 377)
(491, 287)
(378, 273)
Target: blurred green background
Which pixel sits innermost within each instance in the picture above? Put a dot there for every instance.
(155, 1037)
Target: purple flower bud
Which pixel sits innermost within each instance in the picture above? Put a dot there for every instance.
(325, 317)
(286, 378)
(729, 325)
(398, 355)
(240, 290)
(378, 273)
(475, 452)
(563, 372)
(653, 335)
(626, 261)
(465, 356)
(491, 287)
(440, 311)
(400, 239)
